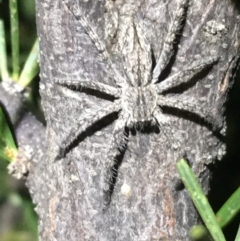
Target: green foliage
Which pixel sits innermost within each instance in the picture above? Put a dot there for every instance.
(23, 228)
(229, 210)
(200, 201)
(29, 218)
(30, 69)
(238, 235)
(212, 222)
(14, 38)
(8, 149)
(3, 53)
(17, 236)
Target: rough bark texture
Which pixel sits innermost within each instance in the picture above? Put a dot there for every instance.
(68, 192)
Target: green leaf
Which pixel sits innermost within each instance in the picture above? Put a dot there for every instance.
(30, 68)
(229, 210)
(14, 38)
(238, 235)
(200, 201)
(17, 236)
(8, 149)
(3, 53)
(200, 233)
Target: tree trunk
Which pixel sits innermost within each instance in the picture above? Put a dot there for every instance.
(146, 201)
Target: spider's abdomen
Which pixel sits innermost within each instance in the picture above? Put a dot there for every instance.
(139, 103)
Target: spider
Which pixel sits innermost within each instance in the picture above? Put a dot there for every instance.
(139, 96)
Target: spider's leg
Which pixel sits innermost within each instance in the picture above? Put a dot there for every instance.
(145, 53)
(84, 123)
(118, 144)
(92, 33)
(105, 88)
(165, 128)
(127, 46)
(168, 46)
(111, 16)
(185, 75)
(191, 106)
(136, 51)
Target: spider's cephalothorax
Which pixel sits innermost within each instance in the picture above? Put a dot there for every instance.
(139, 103)
(139, 96)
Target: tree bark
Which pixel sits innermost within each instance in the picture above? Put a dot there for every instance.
(68, 192)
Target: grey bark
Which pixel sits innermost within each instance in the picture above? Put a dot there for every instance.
(68, 192)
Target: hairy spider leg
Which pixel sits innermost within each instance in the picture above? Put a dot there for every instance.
(185, 75)
(86, 122)
(94, 85)
(111, 20)
(118, 144)
(135, 46)
(168, 46)
(163, 124)
(145, 53)
(190, 106)
(135, 49)
(128, 38)
(92, 33)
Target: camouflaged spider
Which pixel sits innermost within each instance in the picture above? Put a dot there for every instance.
(138, 94)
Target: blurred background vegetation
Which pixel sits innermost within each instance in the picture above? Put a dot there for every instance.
(18, 221)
